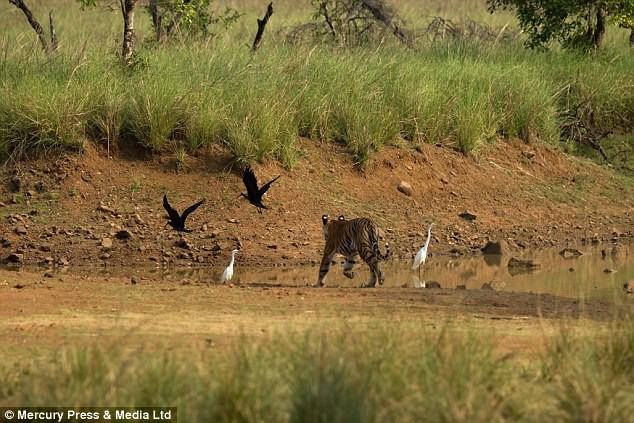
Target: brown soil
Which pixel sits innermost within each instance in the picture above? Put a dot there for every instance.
(528, 196)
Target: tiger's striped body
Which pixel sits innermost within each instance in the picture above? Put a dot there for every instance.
(352, 238)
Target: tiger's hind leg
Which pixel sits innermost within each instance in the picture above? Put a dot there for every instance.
(324, 268)
(347, 268)
(375, 271)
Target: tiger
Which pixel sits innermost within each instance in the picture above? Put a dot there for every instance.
(352, 238)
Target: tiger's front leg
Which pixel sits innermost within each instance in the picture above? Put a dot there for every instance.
(347, 268)
(323, 268)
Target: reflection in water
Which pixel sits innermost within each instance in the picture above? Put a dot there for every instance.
(583, 276)
(416, 282)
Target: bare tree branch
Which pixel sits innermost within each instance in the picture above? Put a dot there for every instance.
(261, 24)
(34, 23)
(377, 10)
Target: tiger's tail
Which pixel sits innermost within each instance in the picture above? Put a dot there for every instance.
(377, 250)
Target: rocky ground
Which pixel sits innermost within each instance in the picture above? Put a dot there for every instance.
(95, 209)
(89, 209)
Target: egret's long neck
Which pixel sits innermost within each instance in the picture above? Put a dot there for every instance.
(428, 237)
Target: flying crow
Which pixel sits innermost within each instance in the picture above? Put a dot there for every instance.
(254, 194)
(177, 221)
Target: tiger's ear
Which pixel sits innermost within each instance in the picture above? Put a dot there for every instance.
(324, 219)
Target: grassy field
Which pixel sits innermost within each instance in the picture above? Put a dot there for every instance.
(463, 92)
(373, 372)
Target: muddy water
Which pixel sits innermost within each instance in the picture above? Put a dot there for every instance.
(591, 275)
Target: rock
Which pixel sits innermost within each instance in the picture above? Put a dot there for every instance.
(15, 184)
(467, 215)
(21, 230)
(569, 253)
(497, 247)
(105, 209)
(41, 188)
(48, 274)
(272, 246)
(15, 258)
(497, 284)
(104, 256)
(432, 285)
(517, 266)
(629, 286)
(138, 220)
(608, 270)
(461, 287)
(45, 248)
(487, 287)
(63, 261)
(134, 280)
(184, 244)
(48, 260)
(405, 188)
(123, 234)
(106, 243)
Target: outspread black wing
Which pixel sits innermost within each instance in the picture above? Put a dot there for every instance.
(266, 186)
(173, 214)
(190, 209)
(251, 183)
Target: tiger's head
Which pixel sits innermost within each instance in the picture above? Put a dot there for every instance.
(329, 225)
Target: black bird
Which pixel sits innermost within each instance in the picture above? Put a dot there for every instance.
(177, 221)
(254, 194)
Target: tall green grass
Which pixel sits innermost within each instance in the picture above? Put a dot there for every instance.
(343, 374)
(464, 94)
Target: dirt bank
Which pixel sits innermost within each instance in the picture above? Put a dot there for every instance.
(91, 209)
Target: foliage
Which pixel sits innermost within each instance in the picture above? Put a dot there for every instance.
(189, 18)
(575, 24)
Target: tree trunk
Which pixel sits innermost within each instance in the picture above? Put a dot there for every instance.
(127, 9)
(632, 37)
(600, 27)
(157, 20)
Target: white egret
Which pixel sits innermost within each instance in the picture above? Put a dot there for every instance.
(228, 273)
(421, 256)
